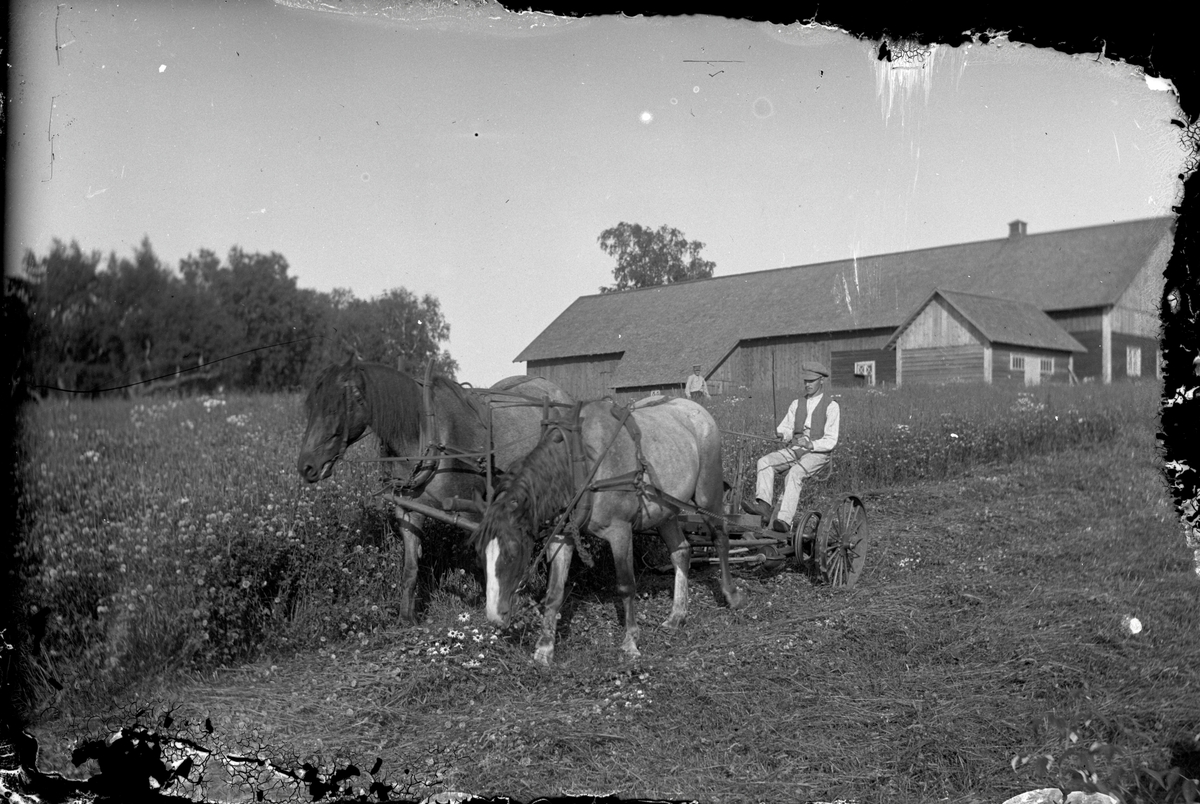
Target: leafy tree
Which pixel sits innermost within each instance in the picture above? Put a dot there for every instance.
(268, 309)
(395, 328)
(648, 257)
(66, 318)
(213, 331)
(92, 329)
(146, 329)
(18, 358)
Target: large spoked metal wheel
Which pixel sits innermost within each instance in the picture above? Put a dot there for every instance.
(842, 544)
(804, 536)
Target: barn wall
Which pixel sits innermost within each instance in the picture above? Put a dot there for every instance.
(942, 364)
(1120, 368)
(750, 363)
(1090, 363)
(1135, 322)
(841, 366)
(581, 377)
(1004, 375)
(938, 325)
(1137, 311)
(1078, 320)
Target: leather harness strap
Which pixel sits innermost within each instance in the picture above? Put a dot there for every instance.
(571, 521)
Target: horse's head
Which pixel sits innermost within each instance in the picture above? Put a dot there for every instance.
(504, 543)
(534, 490)
(337, 417)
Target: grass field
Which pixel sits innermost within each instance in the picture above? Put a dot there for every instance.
(183, 565)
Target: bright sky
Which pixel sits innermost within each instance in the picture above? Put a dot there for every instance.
(478, 159)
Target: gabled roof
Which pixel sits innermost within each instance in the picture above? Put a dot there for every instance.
(662, 331)
(1001, 321)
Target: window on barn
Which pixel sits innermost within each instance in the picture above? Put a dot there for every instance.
(1133, 361)
(1047, 365)
(866, 370)
(1016, 362)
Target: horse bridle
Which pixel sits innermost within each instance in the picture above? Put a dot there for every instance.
(425, 468)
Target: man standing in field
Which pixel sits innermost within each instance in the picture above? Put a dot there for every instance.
(811, 433)
(696, 388)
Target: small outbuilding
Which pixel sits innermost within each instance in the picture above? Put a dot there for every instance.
(964, 337)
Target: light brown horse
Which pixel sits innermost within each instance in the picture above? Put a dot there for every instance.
(678, 452)
(348, 398)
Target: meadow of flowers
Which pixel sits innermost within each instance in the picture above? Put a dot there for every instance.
(175, 534)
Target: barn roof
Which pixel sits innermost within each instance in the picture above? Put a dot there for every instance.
(662, 331)
(1001, 321)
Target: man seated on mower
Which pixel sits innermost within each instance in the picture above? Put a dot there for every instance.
(811, 438)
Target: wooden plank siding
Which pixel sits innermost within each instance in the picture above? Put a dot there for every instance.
(1087, 327)
(1004, 374)
(939, 325)
(1090, 363)
(751, 363)
(581, 377)
(1149, 357)
(1136, 322)
(841, 366)
(943, 364)
(1077, 320)
(1137, 310)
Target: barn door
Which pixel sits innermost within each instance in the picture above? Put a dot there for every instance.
(1033, 370)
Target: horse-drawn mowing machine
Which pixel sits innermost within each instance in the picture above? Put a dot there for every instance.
(828, 539)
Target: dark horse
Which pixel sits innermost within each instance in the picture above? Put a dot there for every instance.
(349, 397)
(677, 451)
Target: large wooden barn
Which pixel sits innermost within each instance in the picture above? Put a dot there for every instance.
(1065, 306)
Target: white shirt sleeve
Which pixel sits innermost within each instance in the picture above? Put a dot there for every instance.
(833, 421)
(786, 426)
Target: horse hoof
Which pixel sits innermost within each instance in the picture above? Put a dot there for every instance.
(672, 623)
(542, 657)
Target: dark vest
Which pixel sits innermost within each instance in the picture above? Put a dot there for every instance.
(817, 429)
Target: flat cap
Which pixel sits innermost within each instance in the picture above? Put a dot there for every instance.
(813, 370)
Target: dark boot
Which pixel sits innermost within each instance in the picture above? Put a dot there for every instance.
(759, 507)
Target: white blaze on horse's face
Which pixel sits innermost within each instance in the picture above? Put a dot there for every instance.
(491, 555)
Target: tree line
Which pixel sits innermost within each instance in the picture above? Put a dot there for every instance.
(92, 324)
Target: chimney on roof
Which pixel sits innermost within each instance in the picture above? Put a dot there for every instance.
(1016, 228)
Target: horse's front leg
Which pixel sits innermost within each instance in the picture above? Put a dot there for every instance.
(560, 550)
(410, 529)
(681, 559)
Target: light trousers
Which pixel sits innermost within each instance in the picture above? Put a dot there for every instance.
(798, 470)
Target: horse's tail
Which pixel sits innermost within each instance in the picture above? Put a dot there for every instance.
(710, 496)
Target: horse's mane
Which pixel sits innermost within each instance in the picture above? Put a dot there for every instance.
(394, 401)
(393, 397)
(541, 485)
(326, 390)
